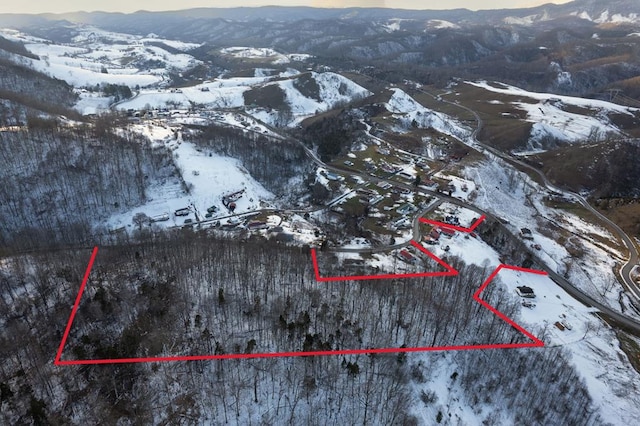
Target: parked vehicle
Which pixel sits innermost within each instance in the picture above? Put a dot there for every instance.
(160, 217)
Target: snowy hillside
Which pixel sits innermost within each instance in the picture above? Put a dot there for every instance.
(592, 350)
(592, 272)
(227, 94)
(102, 57)
(606, 17)
(331, 90)
(594, 104)
(206, 176)
(264, 54)
(592, 347)
(410, 112)
(439, 24)
(253, 210)
(553, 118)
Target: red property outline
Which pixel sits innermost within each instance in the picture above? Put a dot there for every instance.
(454, 227)
(449, 270)
(535, 341)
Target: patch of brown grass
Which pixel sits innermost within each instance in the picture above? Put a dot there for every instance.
(624, 212)
(599, 62)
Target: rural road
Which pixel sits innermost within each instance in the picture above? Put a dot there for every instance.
(612, 315)
(634, 256)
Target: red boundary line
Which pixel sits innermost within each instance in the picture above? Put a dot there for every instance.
(57, 360)
(449, 269)
(535, 341)
(476, 297)
(454, 227)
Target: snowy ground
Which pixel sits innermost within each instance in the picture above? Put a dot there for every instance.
(333, 89)
(594, 347)
(100, 57)
(518, 200)
(592, 344)
(264, 53)
(409, 111)
(209, 177)
(448, 397)
(229, 93)
(217, 93)
(228, 118)
(465, 216)
(215, 96)
(459, 184)
(569, 100)
(472, 250)
(92, 103)
(552, 120)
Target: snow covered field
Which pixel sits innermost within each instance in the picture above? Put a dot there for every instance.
(92, 103)
(518, 200)
(460, 184)
(209, 95)
(552, 120)
(466, 217)
(103, 57)
(264, 53)
(569, 100)
(229, 93)
(408, 111)
(207, 175)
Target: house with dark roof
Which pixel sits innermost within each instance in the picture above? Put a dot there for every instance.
(524, 291)
(526, 234)
(407, 208)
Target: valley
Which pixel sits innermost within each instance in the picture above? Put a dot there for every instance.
(359, 218)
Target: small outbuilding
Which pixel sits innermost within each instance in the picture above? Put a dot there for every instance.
(524, 291)
(526, 234)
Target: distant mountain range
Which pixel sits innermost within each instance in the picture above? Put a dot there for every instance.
(584, 47)
(599, 11)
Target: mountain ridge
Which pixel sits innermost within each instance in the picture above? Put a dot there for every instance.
(592, 8)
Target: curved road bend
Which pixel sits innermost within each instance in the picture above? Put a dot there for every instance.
(613, 316)
(634, 255)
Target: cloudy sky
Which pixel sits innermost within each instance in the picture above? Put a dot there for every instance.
(60, 6)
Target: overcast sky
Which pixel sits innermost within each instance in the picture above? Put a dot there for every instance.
(60, 6)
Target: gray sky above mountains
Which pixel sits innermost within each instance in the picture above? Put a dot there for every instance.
(127, 6)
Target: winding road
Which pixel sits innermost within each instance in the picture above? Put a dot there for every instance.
(612, 316)
(634, 256)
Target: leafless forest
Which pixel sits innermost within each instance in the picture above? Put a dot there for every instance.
(195, 294)
(58, 181)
